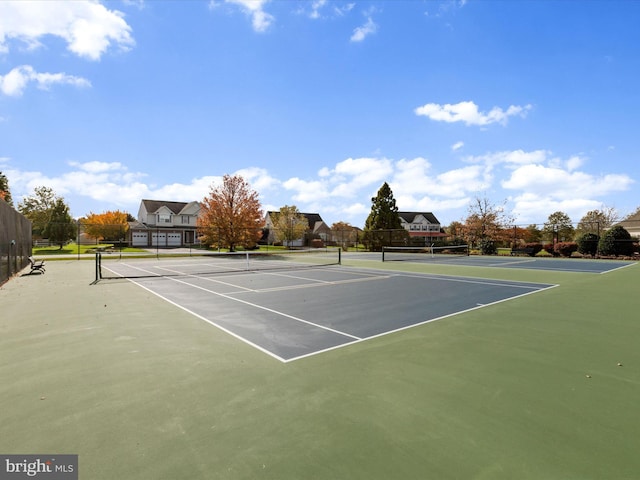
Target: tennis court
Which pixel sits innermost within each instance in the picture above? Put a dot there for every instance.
(541, 387)
(461, 257)
(304, 310)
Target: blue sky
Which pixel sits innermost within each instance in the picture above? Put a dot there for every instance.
(530, 104)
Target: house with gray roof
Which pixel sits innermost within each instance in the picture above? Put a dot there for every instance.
(421, 224)
(165, 224)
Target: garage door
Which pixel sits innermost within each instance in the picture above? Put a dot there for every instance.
(159, 239)
(174, 239)
(140, 239)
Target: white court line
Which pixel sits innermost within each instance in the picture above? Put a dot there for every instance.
(314, 281)
(260, 307)
(324, 284)
(209, 279)
(529, 285)
(511, 262)
(525, 285)
(205, 319)
(180, 272)
(407, 327)
(618, 268)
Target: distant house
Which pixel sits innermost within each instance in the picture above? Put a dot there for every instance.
(632, 224)
(164, 224)
(421, 224)
(317, 229)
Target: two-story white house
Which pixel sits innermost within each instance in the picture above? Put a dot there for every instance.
(421, 224)
(165, 224)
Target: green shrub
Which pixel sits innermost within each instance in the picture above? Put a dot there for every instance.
(617, 241)
(588, 244)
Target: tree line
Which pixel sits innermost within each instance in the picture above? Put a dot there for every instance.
(231, 216)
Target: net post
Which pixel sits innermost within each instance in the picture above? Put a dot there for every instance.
(339, 255)
(383, 253)
(98, 262)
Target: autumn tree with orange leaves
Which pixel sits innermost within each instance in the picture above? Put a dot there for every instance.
(231, 215)
(110, 225)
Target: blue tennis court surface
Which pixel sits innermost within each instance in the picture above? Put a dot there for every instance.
(581, 265)
(294, 314)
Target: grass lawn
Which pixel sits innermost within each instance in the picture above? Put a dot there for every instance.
(74, 248)
(140, 389)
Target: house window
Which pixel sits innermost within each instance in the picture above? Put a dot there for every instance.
(185, 219)
(164, 218)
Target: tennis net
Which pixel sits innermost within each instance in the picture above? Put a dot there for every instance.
(210, 263)
(426, 253)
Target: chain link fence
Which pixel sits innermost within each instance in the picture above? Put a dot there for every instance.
(15, 242)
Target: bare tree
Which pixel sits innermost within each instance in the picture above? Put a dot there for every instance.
(486, 222)
(597, 221)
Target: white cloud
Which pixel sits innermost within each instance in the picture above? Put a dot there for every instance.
(563, 184)
(536, 184)
(468, 113)
(316, 6)
(446, 7)
(260, 20)
(317, 9)
(341, 9)
(98, 167)
(363, 31)
(457, 146)
(258, 178)
(88, 27)
(306, 191)
(574, 162)
(544, 189)
(511, 159)
(15, 82)
(533, 208)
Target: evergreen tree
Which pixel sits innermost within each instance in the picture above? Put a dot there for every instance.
(384, 212)
(61, 227)
(383, 226)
